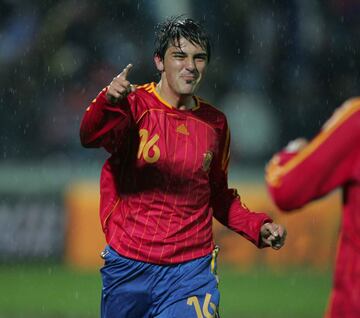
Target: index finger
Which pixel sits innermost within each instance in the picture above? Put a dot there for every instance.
(125, 71)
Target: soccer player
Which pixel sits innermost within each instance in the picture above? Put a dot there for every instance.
(164, 181)
(303, 172)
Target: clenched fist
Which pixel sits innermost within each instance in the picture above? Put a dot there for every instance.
(273, 235)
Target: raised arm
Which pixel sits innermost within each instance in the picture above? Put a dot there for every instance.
(108, 117)
(328, 161)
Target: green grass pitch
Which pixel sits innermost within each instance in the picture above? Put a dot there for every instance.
(53, 291)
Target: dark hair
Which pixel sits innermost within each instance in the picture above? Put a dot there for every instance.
(172, 29)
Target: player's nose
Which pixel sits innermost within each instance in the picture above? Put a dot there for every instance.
(190, 64)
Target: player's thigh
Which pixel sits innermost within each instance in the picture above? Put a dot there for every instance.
(196, 306)
(116, 305)
(124, 292)
(194, 294)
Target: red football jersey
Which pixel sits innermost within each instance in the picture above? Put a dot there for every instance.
(330, 160)
(166, 177)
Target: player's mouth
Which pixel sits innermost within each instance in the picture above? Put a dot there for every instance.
(189, 79)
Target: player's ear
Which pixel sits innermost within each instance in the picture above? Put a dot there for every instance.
(159, 63)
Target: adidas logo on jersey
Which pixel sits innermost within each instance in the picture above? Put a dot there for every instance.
(182, 130)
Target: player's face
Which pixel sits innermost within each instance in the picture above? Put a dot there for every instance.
(183, 67)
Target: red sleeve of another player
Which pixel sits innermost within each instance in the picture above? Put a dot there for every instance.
(330, 160)
(226, 203)
(104, 124)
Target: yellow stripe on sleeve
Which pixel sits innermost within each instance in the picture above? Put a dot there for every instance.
(275, 172)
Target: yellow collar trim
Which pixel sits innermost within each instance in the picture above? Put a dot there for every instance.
(153, 85)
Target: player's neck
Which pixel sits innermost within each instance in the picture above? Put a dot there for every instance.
(182, 102)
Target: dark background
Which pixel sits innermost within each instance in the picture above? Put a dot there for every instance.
(278, 69)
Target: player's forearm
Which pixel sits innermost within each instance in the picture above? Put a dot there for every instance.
(101, 122)
(248, 224)
(290, 194)
(294, 180)
(326, 163)
(232, 213)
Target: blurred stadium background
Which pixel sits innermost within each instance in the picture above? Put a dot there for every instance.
(279, 69)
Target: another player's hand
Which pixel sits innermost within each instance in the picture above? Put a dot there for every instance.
(273, 235)
(120, 87)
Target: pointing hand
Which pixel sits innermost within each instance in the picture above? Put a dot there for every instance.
(120, 87)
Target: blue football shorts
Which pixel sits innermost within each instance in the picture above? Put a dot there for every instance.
(133, 289)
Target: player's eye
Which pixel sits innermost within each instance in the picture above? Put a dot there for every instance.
(179, 56)
(202, 57)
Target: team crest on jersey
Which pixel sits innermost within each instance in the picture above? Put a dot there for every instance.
(208, 156)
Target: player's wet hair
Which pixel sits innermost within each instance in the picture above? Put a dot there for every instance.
(170, 31)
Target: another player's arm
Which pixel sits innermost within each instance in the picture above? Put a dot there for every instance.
(231, 212)
(328, 161)
(108, 116)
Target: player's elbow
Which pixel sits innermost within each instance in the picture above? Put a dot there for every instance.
(87, 144)
(286, 205)
(86, 140)
(285, 201)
